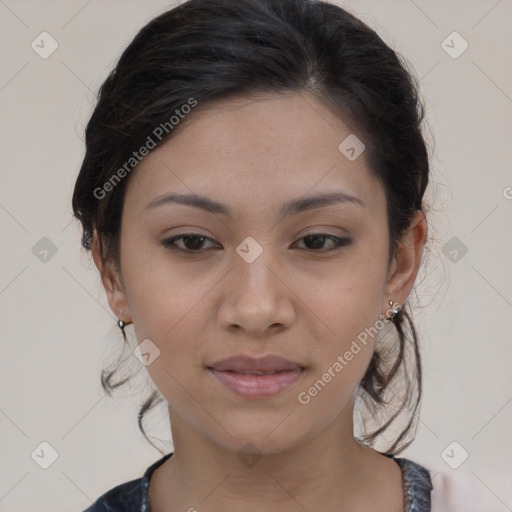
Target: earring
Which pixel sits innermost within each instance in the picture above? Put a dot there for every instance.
(121, 326)
(394, 310)
(120, 323)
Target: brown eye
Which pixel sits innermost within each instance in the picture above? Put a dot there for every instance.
(194, 243)
(316, 242)
(191, 242)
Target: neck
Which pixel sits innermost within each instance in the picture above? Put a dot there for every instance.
(328, 468)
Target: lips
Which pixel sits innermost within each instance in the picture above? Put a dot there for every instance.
(256, 366)
(256, 378)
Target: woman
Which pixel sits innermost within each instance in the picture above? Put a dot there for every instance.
(252, 195)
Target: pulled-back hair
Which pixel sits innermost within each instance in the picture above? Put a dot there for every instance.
(207, 50)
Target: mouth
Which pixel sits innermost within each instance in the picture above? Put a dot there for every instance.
(256, 378)
(256, 365)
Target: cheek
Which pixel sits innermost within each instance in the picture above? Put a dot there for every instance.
(350, 301)
(349, 306)
(169, 305)
(344, 354)
(161, 293)
(329, 390)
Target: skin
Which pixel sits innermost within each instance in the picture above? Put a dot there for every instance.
(296, 300)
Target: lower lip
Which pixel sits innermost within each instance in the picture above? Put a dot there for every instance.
(257, 386)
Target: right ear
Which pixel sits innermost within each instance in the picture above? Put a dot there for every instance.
(111, 282)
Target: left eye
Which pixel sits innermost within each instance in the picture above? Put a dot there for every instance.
(318, 240)
(192, 242)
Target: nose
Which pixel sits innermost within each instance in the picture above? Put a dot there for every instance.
(257, 298)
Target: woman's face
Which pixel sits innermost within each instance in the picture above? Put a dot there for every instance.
(256, 285)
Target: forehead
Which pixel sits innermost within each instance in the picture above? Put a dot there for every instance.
(255, 152)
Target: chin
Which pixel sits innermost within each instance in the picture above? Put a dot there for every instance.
(257, 445)
(250, 435)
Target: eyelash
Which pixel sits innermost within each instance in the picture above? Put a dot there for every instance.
(170, 242)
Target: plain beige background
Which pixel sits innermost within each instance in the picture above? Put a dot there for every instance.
(57, 328)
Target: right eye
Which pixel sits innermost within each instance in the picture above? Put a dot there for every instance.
(191, 242)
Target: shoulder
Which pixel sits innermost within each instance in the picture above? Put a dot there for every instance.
(461, 492)
(126, 497)
(417, 485)
(130, 496)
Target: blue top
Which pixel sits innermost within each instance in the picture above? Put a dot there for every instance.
(133, 496)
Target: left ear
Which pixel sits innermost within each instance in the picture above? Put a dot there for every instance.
(406, 261)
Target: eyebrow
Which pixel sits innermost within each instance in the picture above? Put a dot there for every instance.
(292, 207)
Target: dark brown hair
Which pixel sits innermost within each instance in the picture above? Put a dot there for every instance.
(207, 50)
